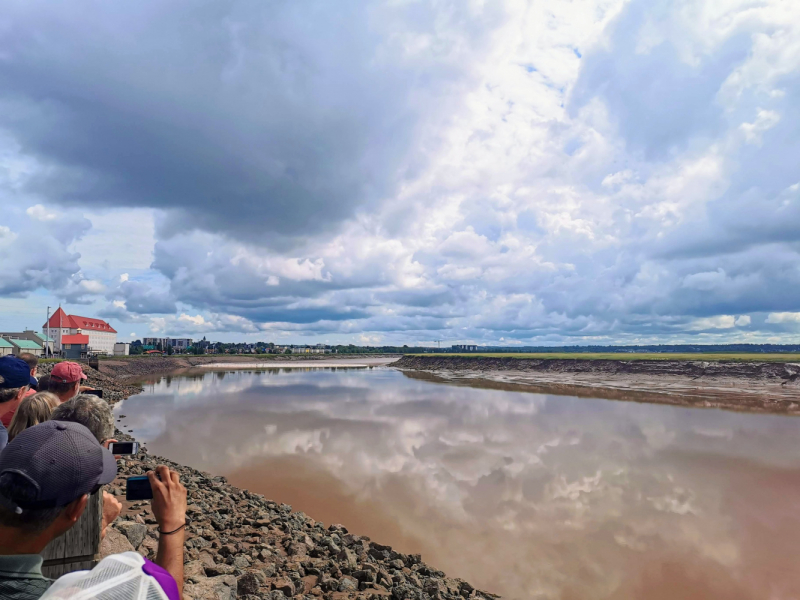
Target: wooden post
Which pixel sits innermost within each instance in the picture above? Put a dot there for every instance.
(79, 548)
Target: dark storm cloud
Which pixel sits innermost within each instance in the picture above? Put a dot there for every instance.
(253, 119)
(141, 298)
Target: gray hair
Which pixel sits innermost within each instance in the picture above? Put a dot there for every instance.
(90, 411)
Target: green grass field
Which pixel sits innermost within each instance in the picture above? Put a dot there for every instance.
(732, 357)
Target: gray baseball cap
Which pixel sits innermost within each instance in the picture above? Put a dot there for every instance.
(61, 460)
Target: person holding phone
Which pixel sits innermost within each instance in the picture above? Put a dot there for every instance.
(46, 476)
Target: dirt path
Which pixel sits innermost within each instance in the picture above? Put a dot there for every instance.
(741, 386)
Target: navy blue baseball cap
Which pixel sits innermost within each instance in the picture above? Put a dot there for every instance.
(61, 461)
(15, 372)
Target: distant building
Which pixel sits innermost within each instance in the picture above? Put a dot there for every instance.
(25, 346)
(33, 336)
(180, 344)
(102, 336)
(6, 347)
(75, 346)
(318, 349)
(122, 349)
(464, 348)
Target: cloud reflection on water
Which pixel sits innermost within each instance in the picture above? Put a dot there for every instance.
(527, 495)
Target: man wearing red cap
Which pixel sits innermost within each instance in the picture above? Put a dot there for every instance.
(65, 380)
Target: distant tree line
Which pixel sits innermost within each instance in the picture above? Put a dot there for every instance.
(200, 347)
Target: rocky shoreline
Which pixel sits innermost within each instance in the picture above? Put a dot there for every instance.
(243, 545)
(766, 387)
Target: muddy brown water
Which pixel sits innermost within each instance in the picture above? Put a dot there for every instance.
(524, 495)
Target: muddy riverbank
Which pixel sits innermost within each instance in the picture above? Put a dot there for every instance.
(131, 369)
(243, 545)
(741, 386)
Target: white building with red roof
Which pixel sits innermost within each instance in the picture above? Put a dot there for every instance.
(102, 336)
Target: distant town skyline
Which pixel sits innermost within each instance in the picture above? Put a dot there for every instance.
(499, 173)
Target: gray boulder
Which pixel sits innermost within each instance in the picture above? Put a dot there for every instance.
(212, 588)
(135, 532)
(114, 543)
(248, 583)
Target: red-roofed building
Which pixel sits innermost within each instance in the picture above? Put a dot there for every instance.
(101, 336)
(75, 346)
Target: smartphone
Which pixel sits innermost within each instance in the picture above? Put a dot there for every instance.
(123, 448)
(98, 393)
(138, 488)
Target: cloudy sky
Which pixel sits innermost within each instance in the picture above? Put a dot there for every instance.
(560, 172)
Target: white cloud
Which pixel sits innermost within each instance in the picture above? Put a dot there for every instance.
(765, 120)
(40, 213)
(784, 317)
(718, 322)
(620, 177)
(743, 321)
(93, 286)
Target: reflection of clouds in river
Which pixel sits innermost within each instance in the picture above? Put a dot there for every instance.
(609, 480)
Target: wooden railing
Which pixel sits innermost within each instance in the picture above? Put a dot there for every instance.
(79, 548)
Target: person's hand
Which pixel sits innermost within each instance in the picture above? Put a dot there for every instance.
(111, 510)
(85, 388)
(169, 498)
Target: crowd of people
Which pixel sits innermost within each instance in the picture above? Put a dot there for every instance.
(54, 456)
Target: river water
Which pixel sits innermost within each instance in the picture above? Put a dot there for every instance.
(524, 495)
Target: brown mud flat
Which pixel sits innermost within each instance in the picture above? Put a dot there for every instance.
(136, 369)
(740, 386)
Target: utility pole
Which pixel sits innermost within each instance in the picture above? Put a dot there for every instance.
(47, 343)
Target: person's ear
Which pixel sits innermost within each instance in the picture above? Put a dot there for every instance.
(73, 511)
(67, 518)
(22, 391)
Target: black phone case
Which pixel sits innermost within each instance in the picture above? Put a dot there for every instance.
(138, 488)
(116, 450)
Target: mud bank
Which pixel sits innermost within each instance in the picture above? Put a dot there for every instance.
(138, 368)
(741, 386)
